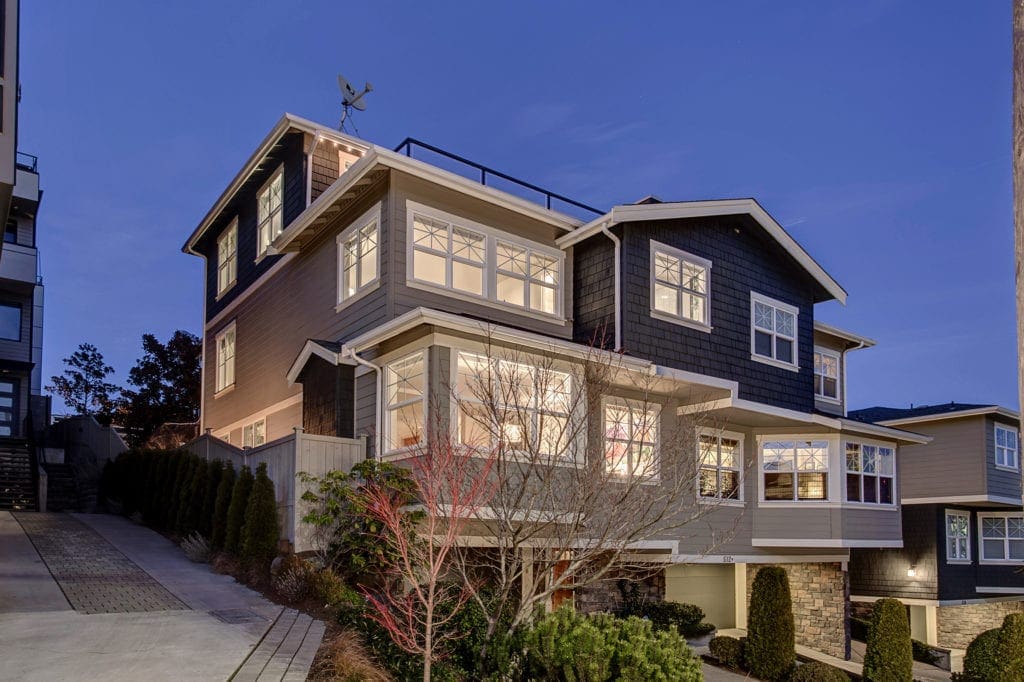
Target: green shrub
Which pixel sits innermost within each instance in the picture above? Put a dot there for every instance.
(1011, 647)
(816, 671)
(219, 529)
(923, 653)
(192, 507)
(331, 591)
(889, 655)
(236, 511)
(728, 651)
(688, 618)
(213, 473)
(981, 663)
(152, 512)
(261, 530)
(770, 650)
(181, 496)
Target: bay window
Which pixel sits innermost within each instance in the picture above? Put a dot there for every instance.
(270, 211)
(795, 470)
(773, 327)
(870, 473)
(679, 285)
(826, 374)
(405, 408)
(1006, 447)
(358, 256)
(631, 438)
(721, 460)
(958, 535)
(1002, 536)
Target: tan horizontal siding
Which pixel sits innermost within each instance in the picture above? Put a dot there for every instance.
(953, 464)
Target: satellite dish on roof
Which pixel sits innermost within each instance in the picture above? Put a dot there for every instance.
(351, 99)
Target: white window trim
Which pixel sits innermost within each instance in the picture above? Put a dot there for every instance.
(995, 447)
(724, 501)
(353, 230)
(629, 403)
(894, 476)
(491, 237)
(946, 535)
(830, 499)
(221, 390)
(262, 253)
(690, 258)
(818, 350)
(233, 263)
(385, 444)
(1006, 541)
(785, 307)
(252, 425)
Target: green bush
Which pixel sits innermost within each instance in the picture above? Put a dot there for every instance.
(981, 663)
(688, 618)
(889, 655)
(1011, 647)
(728, 651)
(261, 530)
(236, 511)
(219, 529)
(192, 507)
(770, 650)
(923, 653)
(816, 671)
(181, 496)
(213, 473)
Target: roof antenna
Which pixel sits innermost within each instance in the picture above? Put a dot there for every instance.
(351, 99)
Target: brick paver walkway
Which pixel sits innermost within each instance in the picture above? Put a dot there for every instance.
(286, 652)
(94, 576)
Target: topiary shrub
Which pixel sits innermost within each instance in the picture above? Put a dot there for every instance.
(728, 651)
(1011, 647)
(236, 511)
(261, 530)
(981, 662)
(889, 656)
(816, 671)
(218, 531)
(770, 650)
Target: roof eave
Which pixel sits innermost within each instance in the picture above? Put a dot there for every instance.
(857, 340)
(959, 414)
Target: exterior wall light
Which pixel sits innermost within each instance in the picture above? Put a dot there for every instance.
(912, 571)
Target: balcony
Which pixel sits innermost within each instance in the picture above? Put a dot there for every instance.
(26, 178)
(19, 264)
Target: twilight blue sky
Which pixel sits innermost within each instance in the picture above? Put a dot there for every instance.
(876, 132)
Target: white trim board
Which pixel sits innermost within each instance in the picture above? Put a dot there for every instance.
(259, 414)
(831, 542)
(249, 291)
(958, 499)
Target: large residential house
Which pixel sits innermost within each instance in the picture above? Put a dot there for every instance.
(959, 569)
(348, 286)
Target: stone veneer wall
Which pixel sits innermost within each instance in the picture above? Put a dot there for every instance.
(958, 625)
(606, 596)
(820, 593)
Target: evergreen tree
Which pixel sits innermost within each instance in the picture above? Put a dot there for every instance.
(1011, 647)
(193, 507)
(261, 530)
(770, 651)
(213, 473)
(182, 496)
(889, 654)
(236, 511)
(220, 507)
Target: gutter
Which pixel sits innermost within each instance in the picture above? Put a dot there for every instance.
(618, 285)
(378, 413)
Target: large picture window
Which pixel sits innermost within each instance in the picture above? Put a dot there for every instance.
(225, 343)
(10, 321)
(513, 405)
(631, 438)
(870, 473)
(227, 257)
(358, 256)
(270, 211)
(795, 470)
(958, 535)
(826, 374)
(1006, 448)
(476, 261)
(405, 389)
(773, 331)
(1002, 537)
(721, 464)
(679, 285)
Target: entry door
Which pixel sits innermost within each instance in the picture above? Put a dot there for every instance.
(8, 407)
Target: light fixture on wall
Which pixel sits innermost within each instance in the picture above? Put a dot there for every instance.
(912, 571)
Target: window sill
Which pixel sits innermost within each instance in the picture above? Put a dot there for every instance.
(826, 399)
(798, 504)
(224, 391)
(484, 301)
(226, 290)
(886, 506)
(959, 562)
(718, 502)
(681, 321)
(372, 286)
(1006, 468)
(1001, 562)
(773, 362)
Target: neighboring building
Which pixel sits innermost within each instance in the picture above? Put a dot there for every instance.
(334, 266)
(961, 567)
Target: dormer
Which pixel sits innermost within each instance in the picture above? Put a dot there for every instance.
(831, 344)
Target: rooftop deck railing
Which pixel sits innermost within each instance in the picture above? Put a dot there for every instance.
(27, 162)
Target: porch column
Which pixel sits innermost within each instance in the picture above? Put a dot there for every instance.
(740, 595)
(924, 623)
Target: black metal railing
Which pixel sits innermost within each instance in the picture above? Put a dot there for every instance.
(27, 162)
(409, 143)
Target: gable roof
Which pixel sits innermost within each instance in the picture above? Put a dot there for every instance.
(696, 209)
(951, 410)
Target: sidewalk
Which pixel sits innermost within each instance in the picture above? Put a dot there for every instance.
(95, 597)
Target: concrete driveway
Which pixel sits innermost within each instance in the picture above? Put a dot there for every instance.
(95, 597)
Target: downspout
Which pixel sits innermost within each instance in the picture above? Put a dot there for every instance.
(309, 168)
(378, 412)
(618, 288)
(859, 346)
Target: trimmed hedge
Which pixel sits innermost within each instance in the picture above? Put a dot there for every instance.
(889, 655)
(770, 650)
(261, 530)
(728, 651)
(213, 473)
(816, 671)
(981, 663)
(226, 486)
(236, 511)
(1011, 647)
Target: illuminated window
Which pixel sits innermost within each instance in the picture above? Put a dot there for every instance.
(679, 285)
(870, 473)
(448, 256)
(721, 464)
(826, 374)
(631, 438)
(358, 256)
(958, 535)
(227, 257)
(773, 331)
(526, 279)
(225, 343)
(406, 391)
(1002, 537)
(270, 211)
(255, 434)
(513, 405)
(795, 470)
